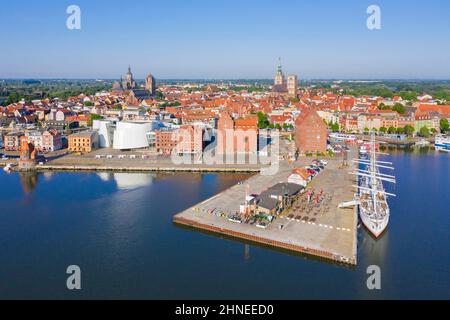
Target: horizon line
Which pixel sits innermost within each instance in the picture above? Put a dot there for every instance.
(232, 79)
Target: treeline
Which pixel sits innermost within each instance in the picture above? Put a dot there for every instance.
(32, 90)
(407, 91)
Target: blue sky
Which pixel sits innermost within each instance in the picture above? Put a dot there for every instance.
(225, 39)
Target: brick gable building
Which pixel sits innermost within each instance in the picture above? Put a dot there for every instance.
(310, 133)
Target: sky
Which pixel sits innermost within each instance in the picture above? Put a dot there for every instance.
(225, 39)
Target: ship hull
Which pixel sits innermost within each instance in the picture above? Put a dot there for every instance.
(374, 226)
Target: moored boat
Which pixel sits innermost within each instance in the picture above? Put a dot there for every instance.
(442, 143)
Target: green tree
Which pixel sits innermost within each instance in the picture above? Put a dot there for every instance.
(335, 127)
(400, 130)
(159, 95)
(94, 117)
(278, 126)
(263, 120)
(382, 106)
(424, 132)
(399, 108)
(444, 125)
(88, 104)
(13, 98)
(383, 130)
(409, 130)
(433, 131)
(392, 130)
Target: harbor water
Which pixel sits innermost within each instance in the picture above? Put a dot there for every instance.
(117, 227)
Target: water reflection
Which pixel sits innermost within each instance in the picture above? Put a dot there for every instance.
(128, 181)
(29, 181)
(247, 252)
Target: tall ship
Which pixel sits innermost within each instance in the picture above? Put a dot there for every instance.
(372, 198)
(442, 143)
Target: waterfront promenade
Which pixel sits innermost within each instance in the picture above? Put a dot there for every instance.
(331, 235)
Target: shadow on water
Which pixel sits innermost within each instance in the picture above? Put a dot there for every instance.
(303, 256)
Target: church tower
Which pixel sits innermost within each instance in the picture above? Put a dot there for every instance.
(150, 84)
(280, 79)
(129, 82)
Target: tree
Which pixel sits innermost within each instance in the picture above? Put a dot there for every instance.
(335, 127)
(159, 95)
(392, 130)
(13, 98)
(444, 125)
(278, 126)
(366, 130)
(263, 120)
(382, 106)
(383, 130)
(399, 108)
(94, 117)
(88, 104)
(424, 132)
(409, 130)
(400, 130)
(433, 131)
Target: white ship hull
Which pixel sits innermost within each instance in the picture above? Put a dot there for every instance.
(374, 208)
(375, 226)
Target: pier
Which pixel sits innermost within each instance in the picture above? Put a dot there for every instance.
(331, 235)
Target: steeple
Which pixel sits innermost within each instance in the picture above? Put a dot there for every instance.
(280, 79)
(280, 67)
(129, 69)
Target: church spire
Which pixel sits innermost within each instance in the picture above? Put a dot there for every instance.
(280, 67)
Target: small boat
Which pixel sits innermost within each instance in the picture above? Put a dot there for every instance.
(8, 168)
(422, 143)
(442, 143)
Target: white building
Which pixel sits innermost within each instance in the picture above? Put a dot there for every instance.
(105, 130)
(132, 135)
(125, 135)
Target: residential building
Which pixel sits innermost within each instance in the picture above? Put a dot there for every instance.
(190, 140)
(34, 137)
(51, 141)
(165, 142)
(12, 141)
(83, 142)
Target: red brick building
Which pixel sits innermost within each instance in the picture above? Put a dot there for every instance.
(237, 136)
(310, 133)
(186, 140)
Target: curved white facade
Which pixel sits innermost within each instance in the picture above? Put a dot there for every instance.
(131, 135)
(105, 132)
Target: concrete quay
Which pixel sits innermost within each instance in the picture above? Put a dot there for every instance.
(331, 235)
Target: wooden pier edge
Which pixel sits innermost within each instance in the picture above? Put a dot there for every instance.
(272, 243)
